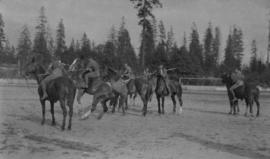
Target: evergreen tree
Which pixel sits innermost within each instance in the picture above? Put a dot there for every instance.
(170, 41)
(195, 50)
(50, 42)
(40, 40)
(155, 31)
(2, 34)
(234, 50)
(162, 32)
(253, 60)
(60, 40)
(216, 47)
(145, 15)
(125, 50)
(209, 62)
(85, 46)
(238, 45)
(24, 47)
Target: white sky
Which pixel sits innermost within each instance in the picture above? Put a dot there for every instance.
(95, 17)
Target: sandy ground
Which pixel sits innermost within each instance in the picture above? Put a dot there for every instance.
(204, 130)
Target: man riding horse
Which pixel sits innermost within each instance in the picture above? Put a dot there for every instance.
(237, 78)
(163, 73)
(93, 71)
(128, 73)
(55, 70)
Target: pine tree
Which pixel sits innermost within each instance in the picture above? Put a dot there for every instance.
(60, 40)
(170, 41)
(125, 50)
(155, 31)
(216, 47)
(254, 60)
(162, 32)
(85, 46)
(2, 34)
(40, 40)
(195, 50)
(145, 15)
(209, 61)
(238, 45)
(24, 47)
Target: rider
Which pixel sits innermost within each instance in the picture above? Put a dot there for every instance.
(237, 78)
(128, 71)
(93, 71)
(164, 74)
(146, 73)
(55, 70)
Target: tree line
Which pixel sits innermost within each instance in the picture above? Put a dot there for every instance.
(158, 46)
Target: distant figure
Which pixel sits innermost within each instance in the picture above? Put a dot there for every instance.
(164, 74)
(55, 70)
(128, 73)
(146, 73)
(237, 78)
(94, 71)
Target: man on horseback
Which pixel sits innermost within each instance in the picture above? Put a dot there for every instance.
(128, 73)
(93, 71)
(55, 70)
(146, 73)
(163, 73)
(237, 78)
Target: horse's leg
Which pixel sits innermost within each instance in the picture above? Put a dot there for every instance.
(124, 101)
(174, 102)
(258, 105)
(70, 116)
(43, 111)
(179, 95)
(235, 105)
(64, 109)
(231, 107)
(163, 99)
(104, 105)
(79, 95)
(251, 107)
(247, 105)
(95, 101)
(52, 112)
(158, 100)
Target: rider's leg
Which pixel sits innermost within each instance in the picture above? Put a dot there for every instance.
(168, 85)
(233, 87)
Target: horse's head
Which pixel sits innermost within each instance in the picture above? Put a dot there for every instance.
(226, 78)
(32, 67)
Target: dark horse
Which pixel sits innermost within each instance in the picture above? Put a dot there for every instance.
(144, 89)
(61, 89)
(162, 92)
(248, 92)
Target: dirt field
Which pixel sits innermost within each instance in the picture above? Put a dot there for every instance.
(204, 130)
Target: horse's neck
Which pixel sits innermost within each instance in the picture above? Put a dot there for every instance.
(37, 75)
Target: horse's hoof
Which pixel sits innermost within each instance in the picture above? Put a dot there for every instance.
(62, 128)
(42, 123)
(69, 127)
(53, 123)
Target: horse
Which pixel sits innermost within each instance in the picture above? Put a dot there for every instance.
(248, 92)
(144, 89)
(161, 92)
(61, 89)
(102, 91)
